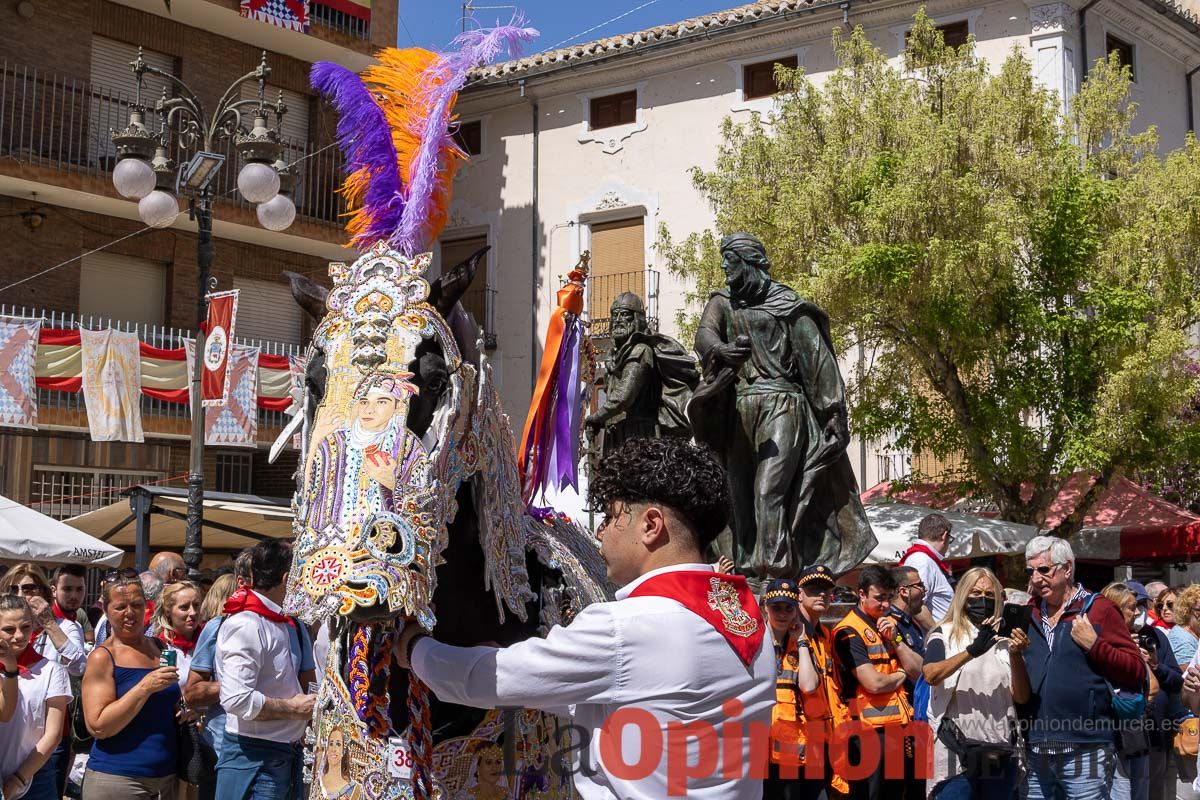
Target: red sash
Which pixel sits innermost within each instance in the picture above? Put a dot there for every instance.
(244, 599)
(178, 642)
(921, 547)
(724, 601)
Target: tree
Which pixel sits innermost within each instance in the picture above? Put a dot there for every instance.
(1024, 280)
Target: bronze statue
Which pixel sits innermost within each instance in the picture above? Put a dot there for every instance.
(650, 378)
(773, 404)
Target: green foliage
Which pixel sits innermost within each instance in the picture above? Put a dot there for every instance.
(1021, 281)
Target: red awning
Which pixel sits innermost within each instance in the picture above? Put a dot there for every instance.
(1127, 523)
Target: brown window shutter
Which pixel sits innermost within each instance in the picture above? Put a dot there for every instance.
(618, 264)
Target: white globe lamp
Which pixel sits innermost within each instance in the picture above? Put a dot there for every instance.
(158, 209)
(277, 214)
(133, 178)
(258, 182)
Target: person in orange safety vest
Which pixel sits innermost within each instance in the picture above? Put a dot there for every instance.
(873, 662)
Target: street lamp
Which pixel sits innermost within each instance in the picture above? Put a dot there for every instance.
(146, 173)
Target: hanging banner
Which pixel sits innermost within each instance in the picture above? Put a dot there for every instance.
(290, 14)
(112, 385)
(235, 424)
(18, 358)
(214, 379)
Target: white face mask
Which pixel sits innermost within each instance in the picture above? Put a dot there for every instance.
(1140, 621)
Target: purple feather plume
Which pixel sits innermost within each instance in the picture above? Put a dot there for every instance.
(439, 84)
(365, 139)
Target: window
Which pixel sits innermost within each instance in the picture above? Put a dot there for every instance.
(1124, 51)
(123, 288)
(478, 300)
(758, 80)
(955, 34)
(267, 311)
(614, 109)
(293, 133)
(618, 265)
(469, 137)
(65, 492)
(233, 472)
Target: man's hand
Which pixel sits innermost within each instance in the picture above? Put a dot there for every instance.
(1018, 643)
(400, 655)
(1151, 659)
(381, 468)
(302, 705)
(1191, 680)
(1083, 633)
(887, 628)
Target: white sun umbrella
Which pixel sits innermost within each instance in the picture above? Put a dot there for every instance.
(895, 526)
(28, 535)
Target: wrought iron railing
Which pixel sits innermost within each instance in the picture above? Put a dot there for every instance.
(603, 289)
(63, 124)
(158, 336)
(325, 16)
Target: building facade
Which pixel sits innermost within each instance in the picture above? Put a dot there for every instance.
(65, 82)
(590, 147)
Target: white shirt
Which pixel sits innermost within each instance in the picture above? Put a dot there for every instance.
(73, 656)
(938, 591)
(254, 662)
(20, 735)
(645, 653)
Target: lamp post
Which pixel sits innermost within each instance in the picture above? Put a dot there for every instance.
(146, 173)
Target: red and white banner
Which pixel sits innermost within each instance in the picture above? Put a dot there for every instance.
(214, 377)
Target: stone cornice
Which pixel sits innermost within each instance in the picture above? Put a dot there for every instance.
(1146, 23)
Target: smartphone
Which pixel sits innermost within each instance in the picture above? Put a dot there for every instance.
(1015, 617)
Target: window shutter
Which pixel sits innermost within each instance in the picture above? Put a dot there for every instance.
(294, 134)
(267, 311)
(114, 88)
(123, 288)
(618, 264)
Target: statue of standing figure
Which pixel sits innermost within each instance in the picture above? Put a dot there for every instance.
(649, 380)
(773, 404)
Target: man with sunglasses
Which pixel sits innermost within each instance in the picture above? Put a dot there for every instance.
(1077, 654)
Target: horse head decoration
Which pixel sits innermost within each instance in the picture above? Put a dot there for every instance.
(409, 506)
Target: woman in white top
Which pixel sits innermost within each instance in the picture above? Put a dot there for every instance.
(975, 679)
(177, 623)
(28, 738)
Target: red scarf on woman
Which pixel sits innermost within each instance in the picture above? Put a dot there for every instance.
(245, 599)
(30, 656)
(179, 642)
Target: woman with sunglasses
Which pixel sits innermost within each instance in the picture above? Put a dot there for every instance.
(56, 636)
(1164, 609)
(32, 716)
(976, 678)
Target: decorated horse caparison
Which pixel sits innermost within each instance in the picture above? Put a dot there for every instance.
(409, 500)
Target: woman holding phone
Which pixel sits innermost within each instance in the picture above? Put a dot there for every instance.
(976, 678)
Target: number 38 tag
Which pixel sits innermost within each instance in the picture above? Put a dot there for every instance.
(399, 758)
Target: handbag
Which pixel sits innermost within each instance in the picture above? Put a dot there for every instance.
(1187, 738)
(196, 759)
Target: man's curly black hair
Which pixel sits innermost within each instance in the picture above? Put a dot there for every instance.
(671, 472)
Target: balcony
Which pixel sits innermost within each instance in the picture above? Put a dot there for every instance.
(161, 419)
(329, 18)
(60, 127)
(603, 289)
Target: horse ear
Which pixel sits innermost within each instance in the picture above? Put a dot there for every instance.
(309, 294)
(454, 282)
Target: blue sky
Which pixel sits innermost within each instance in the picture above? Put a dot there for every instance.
(433, 23)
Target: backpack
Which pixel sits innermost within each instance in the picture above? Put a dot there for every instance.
(1126, 705)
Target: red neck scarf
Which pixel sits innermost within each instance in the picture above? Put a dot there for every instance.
(724, 601)
(30, 656)
(921, 547)
(149, 613)
(180, 643)
(59, 613)
(245, 599)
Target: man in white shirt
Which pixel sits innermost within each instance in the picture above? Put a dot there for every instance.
(258, 674)
(676, 666)
(927, 556)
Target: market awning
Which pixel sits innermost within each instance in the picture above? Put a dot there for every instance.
(28, 535)
(1127, 523)
(231, 521)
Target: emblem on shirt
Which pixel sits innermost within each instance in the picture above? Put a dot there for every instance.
(870, 636)
(723, 598)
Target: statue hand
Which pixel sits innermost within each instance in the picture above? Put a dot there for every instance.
(593, 422)
(732, 354)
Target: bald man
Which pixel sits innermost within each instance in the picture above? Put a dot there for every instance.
(169, 567)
